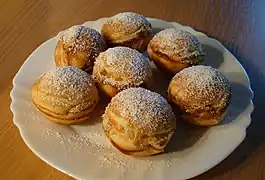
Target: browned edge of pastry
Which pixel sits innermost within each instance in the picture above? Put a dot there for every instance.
(146, 152)
(139, 43)
(192, 118)
(64, 121)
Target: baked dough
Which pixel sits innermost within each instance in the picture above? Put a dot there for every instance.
(174, 49)
(139, 122)
(202, 94)
(79, 46)
(120, 68)
(65, 95)
(127, 29)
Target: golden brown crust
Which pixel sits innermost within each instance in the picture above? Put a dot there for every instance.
(64, 58)
(127, 29)
(138, 147)
(65, 95)
(107, 89)
(111, 91)
(70, 118)
(164, 63)
(141, 153)
(120, 68)
(79, 46)
(134, 132)
(204, 120)
(173, 50)
(201, 93)
(139, 42)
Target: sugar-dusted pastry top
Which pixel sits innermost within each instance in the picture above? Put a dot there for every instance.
(177, 44)
(122, 67)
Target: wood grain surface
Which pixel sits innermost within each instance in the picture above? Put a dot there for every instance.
(238, 24)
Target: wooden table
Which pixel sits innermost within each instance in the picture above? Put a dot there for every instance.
(239, 25)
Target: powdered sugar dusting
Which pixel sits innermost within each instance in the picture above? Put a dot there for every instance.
(31, 115)
(110, 160)
(69, 35)
(202, 85)
(180, 43)
(81, 38)
(99, 147)
(144, 109)
(69, 82)
(131, 67)
(94, 140)
(128, 22)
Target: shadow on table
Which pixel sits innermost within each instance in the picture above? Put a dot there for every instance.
(255, 132)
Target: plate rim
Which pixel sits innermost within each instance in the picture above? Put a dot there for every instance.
(250, 107)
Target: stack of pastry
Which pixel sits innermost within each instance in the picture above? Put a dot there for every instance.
(137, 121)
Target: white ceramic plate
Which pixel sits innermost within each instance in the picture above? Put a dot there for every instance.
(83, 152)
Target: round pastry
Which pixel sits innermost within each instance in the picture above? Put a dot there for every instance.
(127, 29)
(202, 94)
(120, 68)
(139, 122)
(79, 46)
(173, 50)
(65, 95)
